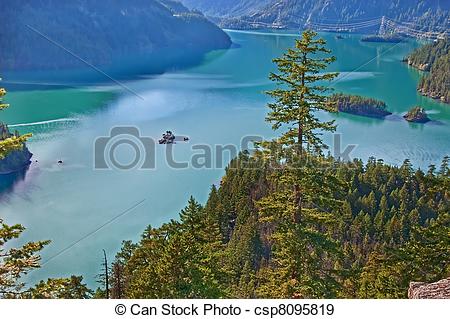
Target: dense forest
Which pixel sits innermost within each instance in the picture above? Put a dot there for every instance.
(390, 228)
(156, 34)
(435, 58)
(386, 226)
(425, 56)
(359, 105)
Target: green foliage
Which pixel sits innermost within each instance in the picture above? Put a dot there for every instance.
(16, 262)
(61, 288)
(425, 56)
(383, 227)
(436, 84)
(389, 38)
(12, 143)
(417, 114)
(118, 282)
(424, 257)
(433, 57)
(178, 260)
(299, 96)
(358, 105)
(303, 202)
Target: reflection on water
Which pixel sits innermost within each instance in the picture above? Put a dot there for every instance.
(9, 182)
(36, 106)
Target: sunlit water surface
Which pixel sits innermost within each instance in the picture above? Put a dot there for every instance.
(217, 102)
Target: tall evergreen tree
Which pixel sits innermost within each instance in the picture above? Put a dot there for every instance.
(300, 92)
(119, 279)
(178, 260)
(297, 99)
(304, 252)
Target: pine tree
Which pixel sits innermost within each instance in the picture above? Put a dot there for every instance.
(304, 250)
(179, 259)
(119, 279)
(16, 262)
(299, 95)
(298, 98)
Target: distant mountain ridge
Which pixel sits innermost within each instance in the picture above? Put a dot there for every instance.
(226, 8)
(47, 34)
(427, 14)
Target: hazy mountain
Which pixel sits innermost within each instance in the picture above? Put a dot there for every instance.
(226, 8)
(48, 34)
(430, 14)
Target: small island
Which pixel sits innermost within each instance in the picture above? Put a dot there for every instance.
(417, 115)
(359, 105)
(391, 38)
(16, 160)
(14, 155)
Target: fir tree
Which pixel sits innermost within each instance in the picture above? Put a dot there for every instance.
(16, 262)
(303, 250)
(298, 98)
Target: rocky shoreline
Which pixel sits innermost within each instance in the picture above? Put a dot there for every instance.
(417, 115)
(419, 66)
(16, 161)
(433, 58)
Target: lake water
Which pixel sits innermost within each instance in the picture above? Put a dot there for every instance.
(217, 102)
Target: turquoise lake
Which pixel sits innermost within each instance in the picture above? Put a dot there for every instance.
(215, 103)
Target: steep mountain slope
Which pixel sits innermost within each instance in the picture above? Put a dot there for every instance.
(390, 230)
(48, 34)
(226, 8)
(435, 58)
(428, 14)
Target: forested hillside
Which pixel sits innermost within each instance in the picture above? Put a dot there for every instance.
(157, 34)
(427, 14)
(424, 57)
(435, 58)
(226, 8)
(392, 228)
